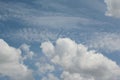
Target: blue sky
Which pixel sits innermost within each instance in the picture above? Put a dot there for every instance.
(59, 40)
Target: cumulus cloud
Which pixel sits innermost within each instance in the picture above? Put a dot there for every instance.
(50, 77)
(73, 76)
(108, 42)
(11, 64)
(44, 67)
(113, 8)
(28, 54)
(80, 62)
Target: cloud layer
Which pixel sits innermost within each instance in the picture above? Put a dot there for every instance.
(11, 64)
(107, 42)
(113, 8)
(79, 62)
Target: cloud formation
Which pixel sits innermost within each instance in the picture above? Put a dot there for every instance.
(58, 22)
(34, 34)
(50, 77)
(44, 67)
(28, 54)
(80, 62)
(73, 76)
(113, 8)
(108, 42)
(11, 64)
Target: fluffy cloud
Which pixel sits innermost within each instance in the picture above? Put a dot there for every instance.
(44, 67)
(73, 76)
(28, 53)
(113, 8)
(80, 62)
(108, 42)
(11, 64)
(50, 77)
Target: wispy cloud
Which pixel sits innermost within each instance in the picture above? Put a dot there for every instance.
(30, 17)
(62, 22)
(108, 42)
(28, 13)
(14, 10)
(34, 34)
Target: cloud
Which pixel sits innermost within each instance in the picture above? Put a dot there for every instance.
(34, 34)
(108, 42)
(11, 64)
(28, 54)
(54, 16)
(113, 8)
(45, 15)
(77, 60)
(50, 77)
(44, 68)
(17, 10)
(58, 22)
(73, 76)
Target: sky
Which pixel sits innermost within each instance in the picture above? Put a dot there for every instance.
(59, 40)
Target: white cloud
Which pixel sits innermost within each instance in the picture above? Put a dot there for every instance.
(50, 77)
(28, 53)
(73, 76)
(17, 10)
(42, 17)
(61, 21)
(34, 35)
(39, 17)
(11, 64)
(44, 67)
(48, 51)
(113, 8)
(77, 59)
(108, 42)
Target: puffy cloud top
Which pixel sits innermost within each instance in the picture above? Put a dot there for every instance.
(81, 63)
(11, 64)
